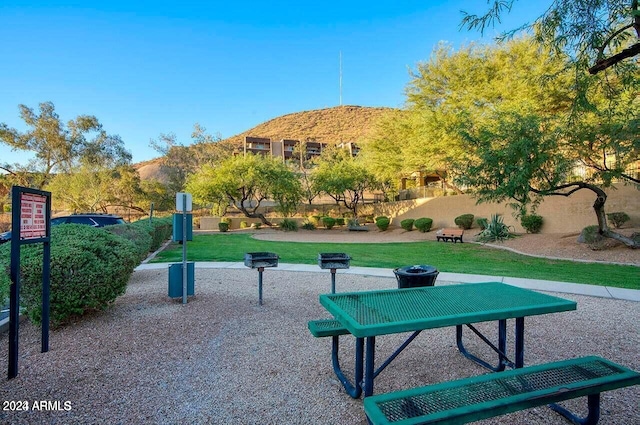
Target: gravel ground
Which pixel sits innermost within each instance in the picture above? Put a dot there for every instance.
(223, 359)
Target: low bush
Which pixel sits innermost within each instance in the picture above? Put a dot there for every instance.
(90, 268)
(136, 234)
(223, 226)
(496, 230)
(532, 223)
(382, 223)
(423, 224)
(225, 220)
(307, 225)
(289, 225)
(482, 222)
(328, 222)
(256, 225)
(244, 224)
(618, 218)
(315, 220)
(340, 221)
(464, 221)
(590, 235)
(407, 224)
(160, 229)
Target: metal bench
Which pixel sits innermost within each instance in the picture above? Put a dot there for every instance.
(495, 394)
(450, 235)
(326, 327)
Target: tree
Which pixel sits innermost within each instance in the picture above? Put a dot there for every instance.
(244, 182)
(596, 32)
(524, 157)
(343, 178)
(59, 147)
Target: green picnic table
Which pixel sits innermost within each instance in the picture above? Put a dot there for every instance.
(367, 315)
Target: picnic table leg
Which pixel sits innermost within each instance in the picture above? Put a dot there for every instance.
(593, 401)
(369, 372)
(519, 342)
(501, 349)
(354, 390)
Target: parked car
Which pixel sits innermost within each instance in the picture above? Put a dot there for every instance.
(92, 219)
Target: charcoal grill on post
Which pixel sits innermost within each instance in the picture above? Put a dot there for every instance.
(333, 261)
(260, 260)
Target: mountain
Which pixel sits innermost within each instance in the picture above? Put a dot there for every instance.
(346, 123)
(338, 124)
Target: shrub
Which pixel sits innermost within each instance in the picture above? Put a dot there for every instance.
(225, 220)
(90, 268)
(482, 222)
(223, 226)
(382, 223)
(618, 218)
(590, 235)
(288, 224)
(532, 223)
(244, 224)
(423, 224)
(307, 225)
(136, 234)
(465, 221)
(340, 221)
(328, 222)
(315, 220)
(496, 230)
(160, 229)
(256, 225)
(407, 224)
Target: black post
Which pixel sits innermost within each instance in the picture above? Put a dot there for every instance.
(14, 296)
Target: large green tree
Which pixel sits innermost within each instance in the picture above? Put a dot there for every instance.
(244, 183)
(343, 178)
(58, 147)
(597, 34)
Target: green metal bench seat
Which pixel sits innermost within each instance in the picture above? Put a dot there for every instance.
(326, 327)
(495, 394)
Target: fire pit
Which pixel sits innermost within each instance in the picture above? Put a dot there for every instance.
(333, 261)
(260, 260)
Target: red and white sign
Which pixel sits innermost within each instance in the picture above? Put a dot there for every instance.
(33, 223)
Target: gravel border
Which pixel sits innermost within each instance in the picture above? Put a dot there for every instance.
(223, 359)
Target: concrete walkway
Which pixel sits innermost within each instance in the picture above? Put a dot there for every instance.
(540, 285)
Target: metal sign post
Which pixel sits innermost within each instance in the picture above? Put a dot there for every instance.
(184, 204)
(30, 223)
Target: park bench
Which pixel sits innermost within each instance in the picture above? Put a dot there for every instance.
(450, 235)
(495, 394)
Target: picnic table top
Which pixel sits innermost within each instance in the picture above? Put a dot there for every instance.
(372, 313)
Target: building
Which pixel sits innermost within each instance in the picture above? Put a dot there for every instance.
(291, 149)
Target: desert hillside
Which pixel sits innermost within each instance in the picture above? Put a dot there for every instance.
(338, 124)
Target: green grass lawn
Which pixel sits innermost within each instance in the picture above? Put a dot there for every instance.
(446, 257)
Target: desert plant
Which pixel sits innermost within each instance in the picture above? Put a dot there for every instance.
(223, 226)
(382, 223)
(315, 220)
(464, 221)
(307, 225)
(328, 222)
(256, 225)
(496, 230)
(289, 225)
(532, 223)
(618, 218)
(340, 221)
(244, 224)
(423, 224)
(407, 224)
(482, 222)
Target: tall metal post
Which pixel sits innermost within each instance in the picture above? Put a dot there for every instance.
(260, 270)
(333, 281)
(184, 248)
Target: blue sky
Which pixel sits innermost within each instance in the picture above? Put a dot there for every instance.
(149, 67)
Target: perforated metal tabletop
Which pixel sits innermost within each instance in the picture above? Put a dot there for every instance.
(373, 313)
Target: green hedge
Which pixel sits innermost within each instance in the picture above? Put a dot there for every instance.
(464, 221)
(90, 268)
(382, 223)
(407, 224)
(423, 224)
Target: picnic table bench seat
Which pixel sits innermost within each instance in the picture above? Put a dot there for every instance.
(326, 327)
(450, 235)
(495, 394)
